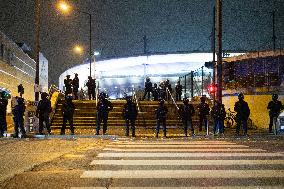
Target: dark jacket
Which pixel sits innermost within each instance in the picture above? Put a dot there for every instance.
(44, 107)
(104, 106)
(75, 84)
(3, 106)
(186, 111)
(20, 107)
(68, 109)
(129, 111)
(218, 112)
(148, 86)
(242, 109)
(178, 89)
(203, 109)
(274, 108)
(161, 112)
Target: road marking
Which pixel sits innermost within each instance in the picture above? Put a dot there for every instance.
(187, 162)
(178, 146)
(73, 156)
(170, 155)
(172, 142)
(183, 150)
(193, 187)
(184, 174)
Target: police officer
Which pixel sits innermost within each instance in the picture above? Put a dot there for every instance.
(103, 108)
(243, 112)
(186, 111)
(203, 112)
(21, 90)
(148, 88)
(91, 88)
(3, 112)
(129, 114)
(274, 107)
(75, 84)
(169, 86)
(42, 112)
(68, 109)
(155, 92)
(68, 85)
(18, 113)
(161, 114)
(178, 89)
(218, 113)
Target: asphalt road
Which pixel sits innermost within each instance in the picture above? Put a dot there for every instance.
(175, 162)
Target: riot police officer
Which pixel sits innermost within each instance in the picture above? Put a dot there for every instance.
(203, 112)
(68, 109)
(3, 112)
(42, 112)
(68, 85)
(91, 84)
(129, 114)
(274, 107)
(243, 112)
(155, 92)
(103, 108)
(186, 111)
(18, 113)
(218, 113)
(161, 115)
(75, 84)
(148, 88)
(178, 89)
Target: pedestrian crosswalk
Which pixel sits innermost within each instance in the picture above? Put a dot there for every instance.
(184, 164)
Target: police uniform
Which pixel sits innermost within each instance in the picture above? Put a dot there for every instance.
(203, 112)
(75, 84)
(274, 106)
(218, 113)
(243, 112)
(186, 111)
(18, 113)
(68, 85)
(148, 89)
(43, 110)
(161, 114)
(91, 84)
(68, 109)
(178, 89)
(103, 108)
(155, 92)
(129, 114)
(3, 112)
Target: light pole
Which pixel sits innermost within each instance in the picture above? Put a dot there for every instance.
(37, 46)
(64, 7)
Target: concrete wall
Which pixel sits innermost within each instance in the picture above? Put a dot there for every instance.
(258, 106)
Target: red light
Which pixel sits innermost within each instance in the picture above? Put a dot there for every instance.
(211, 88)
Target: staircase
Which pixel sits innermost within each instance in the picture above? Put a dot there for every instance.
(85, 115)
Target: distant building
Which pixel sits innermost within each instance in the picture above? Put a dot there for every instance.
(17, 67)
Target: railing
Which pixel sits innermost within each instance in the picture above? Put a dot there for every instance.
(138, 107)
(174, 102)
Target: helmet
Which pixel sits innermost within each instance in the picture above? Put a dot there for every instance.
(241, 96)
(202, 99)
(185, 100)
(103, 95)
(128, 98)
(162, 101)
(76, 74)
(89, 77)
(147, 79)
(69, 97)
(67, 76)
(274, 96)
(44, 95)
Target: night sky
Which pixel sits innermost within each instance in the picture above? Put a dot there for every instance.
(119, 27)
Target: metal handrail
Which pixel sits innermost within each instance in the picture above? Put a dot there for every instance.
(173, 100)
(138, 107)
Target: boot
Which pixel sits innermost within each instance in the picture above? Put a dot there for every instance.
(165, 134)
(157, 135)
(127, 132)
(133, 133)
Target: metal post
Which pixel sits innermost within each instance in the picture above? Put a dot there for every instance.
(219, 50)
(37, 45)
(273, 31)
(214, 52)
(191, 81)
(90, 41)
(202, 79)
(145, 44)
(185, 85)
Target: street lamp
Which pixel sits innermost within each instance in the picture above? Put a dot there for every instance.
(78, 49)
(66, 8)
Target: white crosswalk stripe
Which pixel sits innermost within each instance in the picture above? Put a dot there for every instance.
(120, 159)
